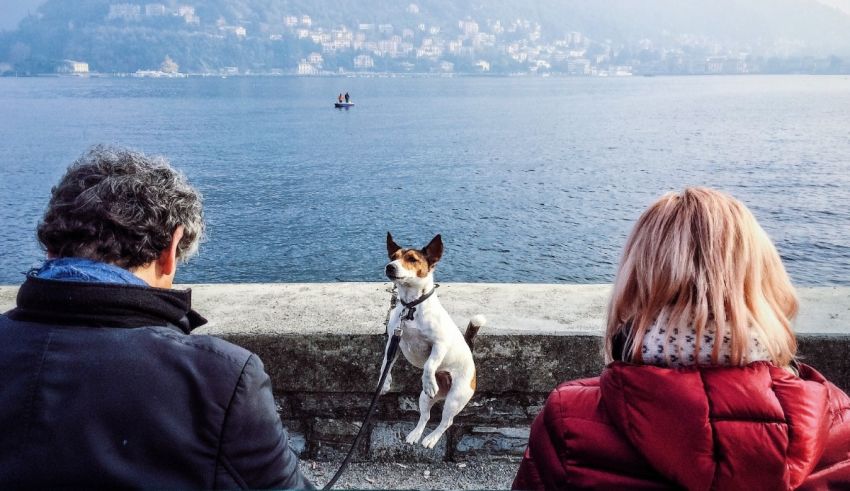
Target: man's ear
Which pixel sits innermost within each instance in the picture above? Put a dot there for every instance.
(434, 250)
(167, 260)
(392, 247)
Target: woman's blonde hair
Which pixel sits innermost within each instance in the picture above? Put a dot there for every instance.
(700, 257)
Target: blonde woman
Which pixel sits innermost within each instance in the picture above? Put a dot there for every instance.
(702, 390)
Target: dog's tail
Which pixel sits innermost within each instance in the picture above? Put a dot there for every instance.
(476, 323)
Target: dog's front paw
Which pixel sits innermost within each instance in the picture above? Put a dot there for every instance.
(414, 436)
(431, 440)
(429, 386)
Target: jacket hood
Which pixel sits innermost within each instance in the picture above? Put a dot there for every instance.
(104, 305)
(752, 427)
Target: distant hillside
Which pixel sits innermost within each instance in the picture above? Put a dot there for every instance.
(123, 39)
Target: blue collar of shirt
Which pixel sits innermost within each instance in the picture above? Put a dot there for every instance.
(86, 271)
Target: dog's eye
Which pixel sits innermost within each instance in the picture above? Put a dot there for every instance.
(410, 259)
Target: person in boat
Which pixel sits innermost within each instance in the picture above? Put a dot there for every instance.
(347, 98)
(339, 98)
(703, 388)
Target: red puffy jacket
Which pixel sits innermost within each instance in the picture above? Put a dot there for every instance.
(646, 427)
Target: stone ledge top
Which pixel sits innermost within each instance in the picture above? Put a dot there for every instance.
(361, 308)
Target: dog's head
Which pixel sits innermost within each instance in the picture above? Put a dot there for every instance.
(410, 267)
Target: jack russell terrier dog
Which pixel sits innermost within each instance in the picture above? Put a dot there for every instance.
(430, 339)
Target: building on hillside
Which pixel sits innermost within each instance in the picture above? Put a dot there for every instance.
(620, 71)
(124, 11)
(315, 59)
(578, 66)
(364, 62)
(714, 64)
(306, 20)
(155, 10)
(72, 67)
(482, 66)
(726, 64)
(290, 21)
(237, 31)
(305, 68)
(188, 14)
(468, 27)
(413, 9)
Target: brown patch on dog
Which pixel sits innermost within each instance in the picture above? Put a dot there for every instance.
(420, 262)
(413, 260)
(444, 383)
(474, 383)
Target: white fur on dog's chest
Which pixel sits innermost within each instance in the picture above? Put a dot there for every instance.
(414, 344)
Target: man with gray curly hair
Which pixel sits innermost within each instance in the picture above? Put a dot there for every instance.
(100, 382)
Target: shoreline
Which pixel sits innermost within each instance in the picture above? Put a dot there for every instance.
(511, 308)
(133, 75)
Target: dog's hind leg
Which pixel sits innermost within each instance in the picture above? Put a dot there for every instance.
(456, 399)
(425, 405)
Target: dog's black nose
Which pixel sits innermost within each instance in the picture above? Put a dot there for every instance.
(391, 271)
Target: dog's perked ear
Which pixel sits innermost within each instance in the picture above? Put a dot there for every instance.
(392, 247)
(434, 250)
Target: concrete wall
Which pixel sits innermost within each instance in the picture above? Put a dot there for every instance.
(322, 346)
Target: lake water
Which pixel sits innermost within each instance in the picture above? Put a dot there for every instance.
(528, 179)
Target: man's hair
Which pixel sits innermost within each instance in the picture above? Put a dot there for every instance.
(121, 207)
(699, 257)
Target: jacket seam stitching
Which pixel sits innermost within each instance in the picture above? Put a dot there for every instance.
(788, 424)
(562, 452)
(733, 419)
(201, 347)
(36, 384)
(220, 457)
(714, 454)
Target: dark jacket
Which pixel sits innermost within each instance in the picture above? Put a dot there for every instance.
(101, 385)
(646, 427)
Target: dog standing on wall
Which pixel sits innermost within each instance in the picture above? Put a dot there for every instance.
(430, 339)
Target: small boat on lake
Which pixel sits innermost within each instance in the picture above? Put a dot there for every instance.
(345, 105)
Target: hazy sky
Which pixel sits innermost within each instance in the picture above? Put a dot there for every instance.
(12, 11)
(843, 5)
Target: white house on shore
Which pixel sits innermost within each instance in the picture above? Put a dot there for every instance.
(482, 66)
(315, 59)
(305, 68)
(364, 62)
(72, 67)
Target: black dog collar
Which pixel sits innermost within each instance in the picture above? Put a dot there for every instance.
(411, 306)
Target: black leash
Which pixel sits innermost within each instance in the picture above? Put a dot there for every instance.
(392, 351)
